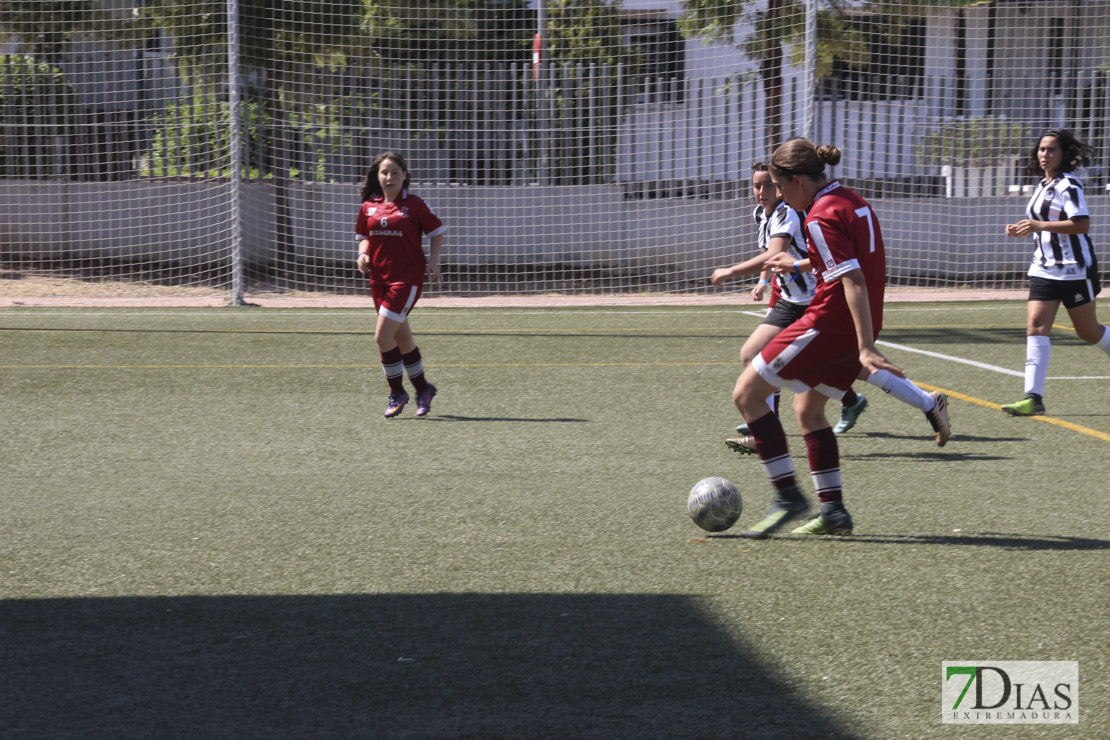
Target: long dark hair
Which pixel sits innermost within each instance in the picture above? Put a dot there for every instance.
(1077, 153)
(371, 188)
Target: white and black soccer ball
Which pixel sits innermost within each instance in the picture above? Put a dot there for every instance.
(715, 504)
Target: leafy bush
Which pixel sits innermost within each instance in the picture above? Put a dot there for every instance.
(37, 106)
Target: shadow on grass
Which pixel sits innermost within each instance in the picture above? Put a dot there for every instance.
(976, 539)
(989, 539)
(435, 665)
(452, 417)
(926, 435)
(935, 454)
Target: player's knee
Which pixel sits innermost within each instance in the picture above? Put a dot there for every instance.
(385, 340)
(746, 396)
(1090, 334)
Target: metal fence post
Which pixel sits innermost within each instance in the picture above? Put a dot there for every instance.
(235, 152)
(809, 74)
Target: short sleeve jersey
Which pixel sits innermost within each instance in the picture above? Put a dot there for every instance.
(786, 222)
(395, 231)
(843, 235)
(1060, 256)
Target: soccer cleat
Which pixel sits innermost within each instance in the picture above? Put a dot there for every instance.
(849, 415)
(938, 418)
(743, 445)
(837, 524)
(396, 404)
(743, 430)
(782, 512)
(424, 400)
(1027, 406)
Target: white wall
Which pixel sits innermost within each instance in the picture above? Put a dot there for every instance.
(955, 238)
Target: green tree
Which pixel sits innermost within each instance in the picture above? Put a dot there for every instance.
(445, 30)
(778, 33)
(37, 105)
(47, 27)
(282, 43)
(581, 33)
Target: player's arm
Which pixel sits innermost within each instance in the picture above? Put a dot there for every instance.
(1026, 226)
(775, 245)
(435, 249)
(363, 260)
(786, 264)
(859, 305)
(760, 287)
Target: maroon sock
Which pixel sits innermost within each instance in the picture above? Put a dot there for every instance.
(849, 398)
(414, 368)
(824, 464)
(770, 444)
(394, 370)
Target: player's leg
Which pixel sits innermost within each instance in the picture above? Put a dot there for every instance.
(755, 342)
(824, 464)
(851, 406)
(933, 404)
(414, 368)
(1085, 321)
(385, 334)
(787, 503)
(395, 341)
(1038, 353)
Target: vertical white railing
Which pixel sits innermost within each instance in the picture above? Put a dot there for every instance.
(235, 152)
(809, 72)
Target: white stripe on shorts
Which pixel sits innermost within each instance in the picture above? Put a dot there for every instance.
(405, 311)
(771, 375)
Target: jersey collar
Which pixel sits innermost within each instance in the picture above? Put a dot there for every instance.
(826, 190)
(381, 198)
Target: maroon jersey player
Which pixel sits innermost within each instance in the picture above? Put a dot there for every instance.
(820, 354)
(390, 228)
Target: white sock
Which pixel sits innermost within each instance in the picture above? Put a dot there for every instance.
(902, 389)
(1104, 343)
(1038, 351)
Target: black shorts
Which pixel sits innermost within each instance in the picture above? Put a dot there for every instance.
(784, 313)
(1071, 293)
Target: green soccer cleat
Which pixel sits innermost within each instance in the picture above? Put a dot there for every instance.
(1027, 406)
(781, 513)
(849, 415)
(743, 445)
(836, 526)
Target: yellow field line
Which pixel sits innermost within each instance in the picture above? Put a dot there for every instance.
(364, 367)
(1046, 419)
(448, 332)
(951, 393)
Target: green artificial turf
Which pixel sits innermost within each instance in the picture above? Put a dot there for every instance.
(207, 528)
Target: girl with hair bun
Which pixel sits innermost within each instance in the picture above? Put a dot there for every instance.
(829, 347)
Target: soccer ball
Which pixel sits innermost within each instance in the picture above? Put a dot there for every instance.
(714, 504)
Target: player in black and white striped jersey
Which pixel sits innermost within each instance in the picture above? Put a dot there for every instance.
(1064, 267)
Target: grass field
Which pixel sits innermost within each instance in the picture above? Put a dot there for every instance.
(208, 529)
